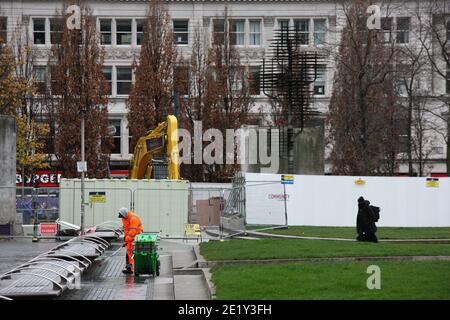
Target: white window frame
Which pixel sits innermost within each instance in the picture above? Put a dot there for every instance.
(100, 32)
(324, 32)
(181, 32)
(116, 81)
(46, 31)
(250, 67)
(114, 32)
(406, 31)
(241, 34)
(291, 22)
(250, 33)
(131, 33)
(61, 32)
(42, 68)
(246, 32)
(135, 36)
(322, 83)
(112, 78)
(308, 33)
(120, 136)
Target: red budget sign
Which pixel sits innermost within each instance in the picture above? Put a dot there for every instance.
(48, 228)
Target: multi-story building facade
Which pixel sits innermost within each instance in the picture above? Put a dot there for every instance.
(119, 23)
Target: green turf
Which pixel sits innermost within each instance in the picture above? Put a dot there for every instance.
(350, 232)
(399, 280)
(296, 248)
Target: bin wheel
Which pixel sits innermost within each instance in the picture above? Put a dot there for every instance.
(157, 268)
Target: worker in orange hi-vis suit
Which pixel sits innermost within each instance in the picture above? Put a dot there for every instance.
(132, 226)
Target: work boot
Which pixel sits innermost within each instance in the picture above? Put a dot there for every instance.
(128, 270)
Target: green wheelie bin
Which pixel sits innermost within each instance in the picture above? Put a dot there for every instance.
(146, 257)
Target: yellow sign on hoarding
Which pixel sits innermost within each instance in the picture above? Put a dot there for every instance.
(97, 197)
(287, 179)
(432, 182)
(192, 229)
(360, 182)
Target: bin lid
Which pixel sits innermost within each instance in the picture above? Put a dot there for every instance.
(146, 237)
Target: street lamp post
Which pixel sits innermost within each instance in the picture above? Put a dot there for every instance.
(82, 171)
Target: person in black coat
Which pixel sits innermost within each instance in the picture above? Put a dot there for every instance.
(365, 222)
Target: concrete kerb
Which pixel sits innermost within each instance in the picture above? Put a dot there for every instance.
(218, 263)
(207, 276)
(253, 235)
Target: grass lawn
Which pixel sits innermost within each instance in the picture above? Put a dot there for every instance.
(350, 232)
(399, 280)
(295, 248)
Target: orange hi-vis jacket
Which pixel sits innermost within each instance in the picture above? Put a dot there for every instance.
(132, 226)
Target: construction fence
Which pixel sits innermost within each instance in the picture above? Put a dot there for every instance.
(163, 207)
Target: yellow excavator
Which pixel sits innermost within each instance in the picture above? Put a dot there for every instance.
(161, 141)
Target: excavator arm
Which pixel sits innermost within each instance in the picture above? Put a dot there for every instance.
(162, 139)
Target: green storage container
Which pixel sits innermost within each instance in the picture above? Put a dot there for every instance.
(146, 257)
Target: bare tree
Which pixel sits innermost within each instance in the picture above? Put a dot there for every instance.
(151, 97)
(228, 92)
(193, 80)
(412, 73)
(78, 85)
(363, 109)
(434, 16)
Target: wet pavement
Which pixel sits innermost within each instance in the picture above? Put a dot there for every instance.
(104, 279)
(14, 252)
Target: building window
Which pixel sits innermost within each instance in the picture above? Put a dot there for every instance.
(182, 80)
(319, 84)
(124, 80)
(283, 24)
(254, 80)
(403, 25)
(181, 31)
(40, 79)
(56, 30)
(39, 31)
(255, 32)
(139, 31)
(124, 32)
(3, 29)
(130, 137)
(218, 31)
(116, 133)
(386, 27)
(403, 79)
(107, 73)
(319, 31)
(237, 32)
(55, 85)
(302, 27)
(105, 31)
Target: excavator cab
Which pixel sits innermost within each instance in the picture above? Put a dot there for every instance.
(156, 154)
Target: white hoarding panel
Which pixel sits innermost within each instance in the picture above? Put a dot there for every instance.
(162, 205)
(332, 200)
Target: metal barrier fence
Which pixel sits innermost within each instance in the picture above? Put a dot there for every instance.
(243, 207)
(196, 204)
(254, 206)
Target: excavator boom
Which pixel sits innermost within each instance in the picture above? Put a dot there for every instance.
(161, 140)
